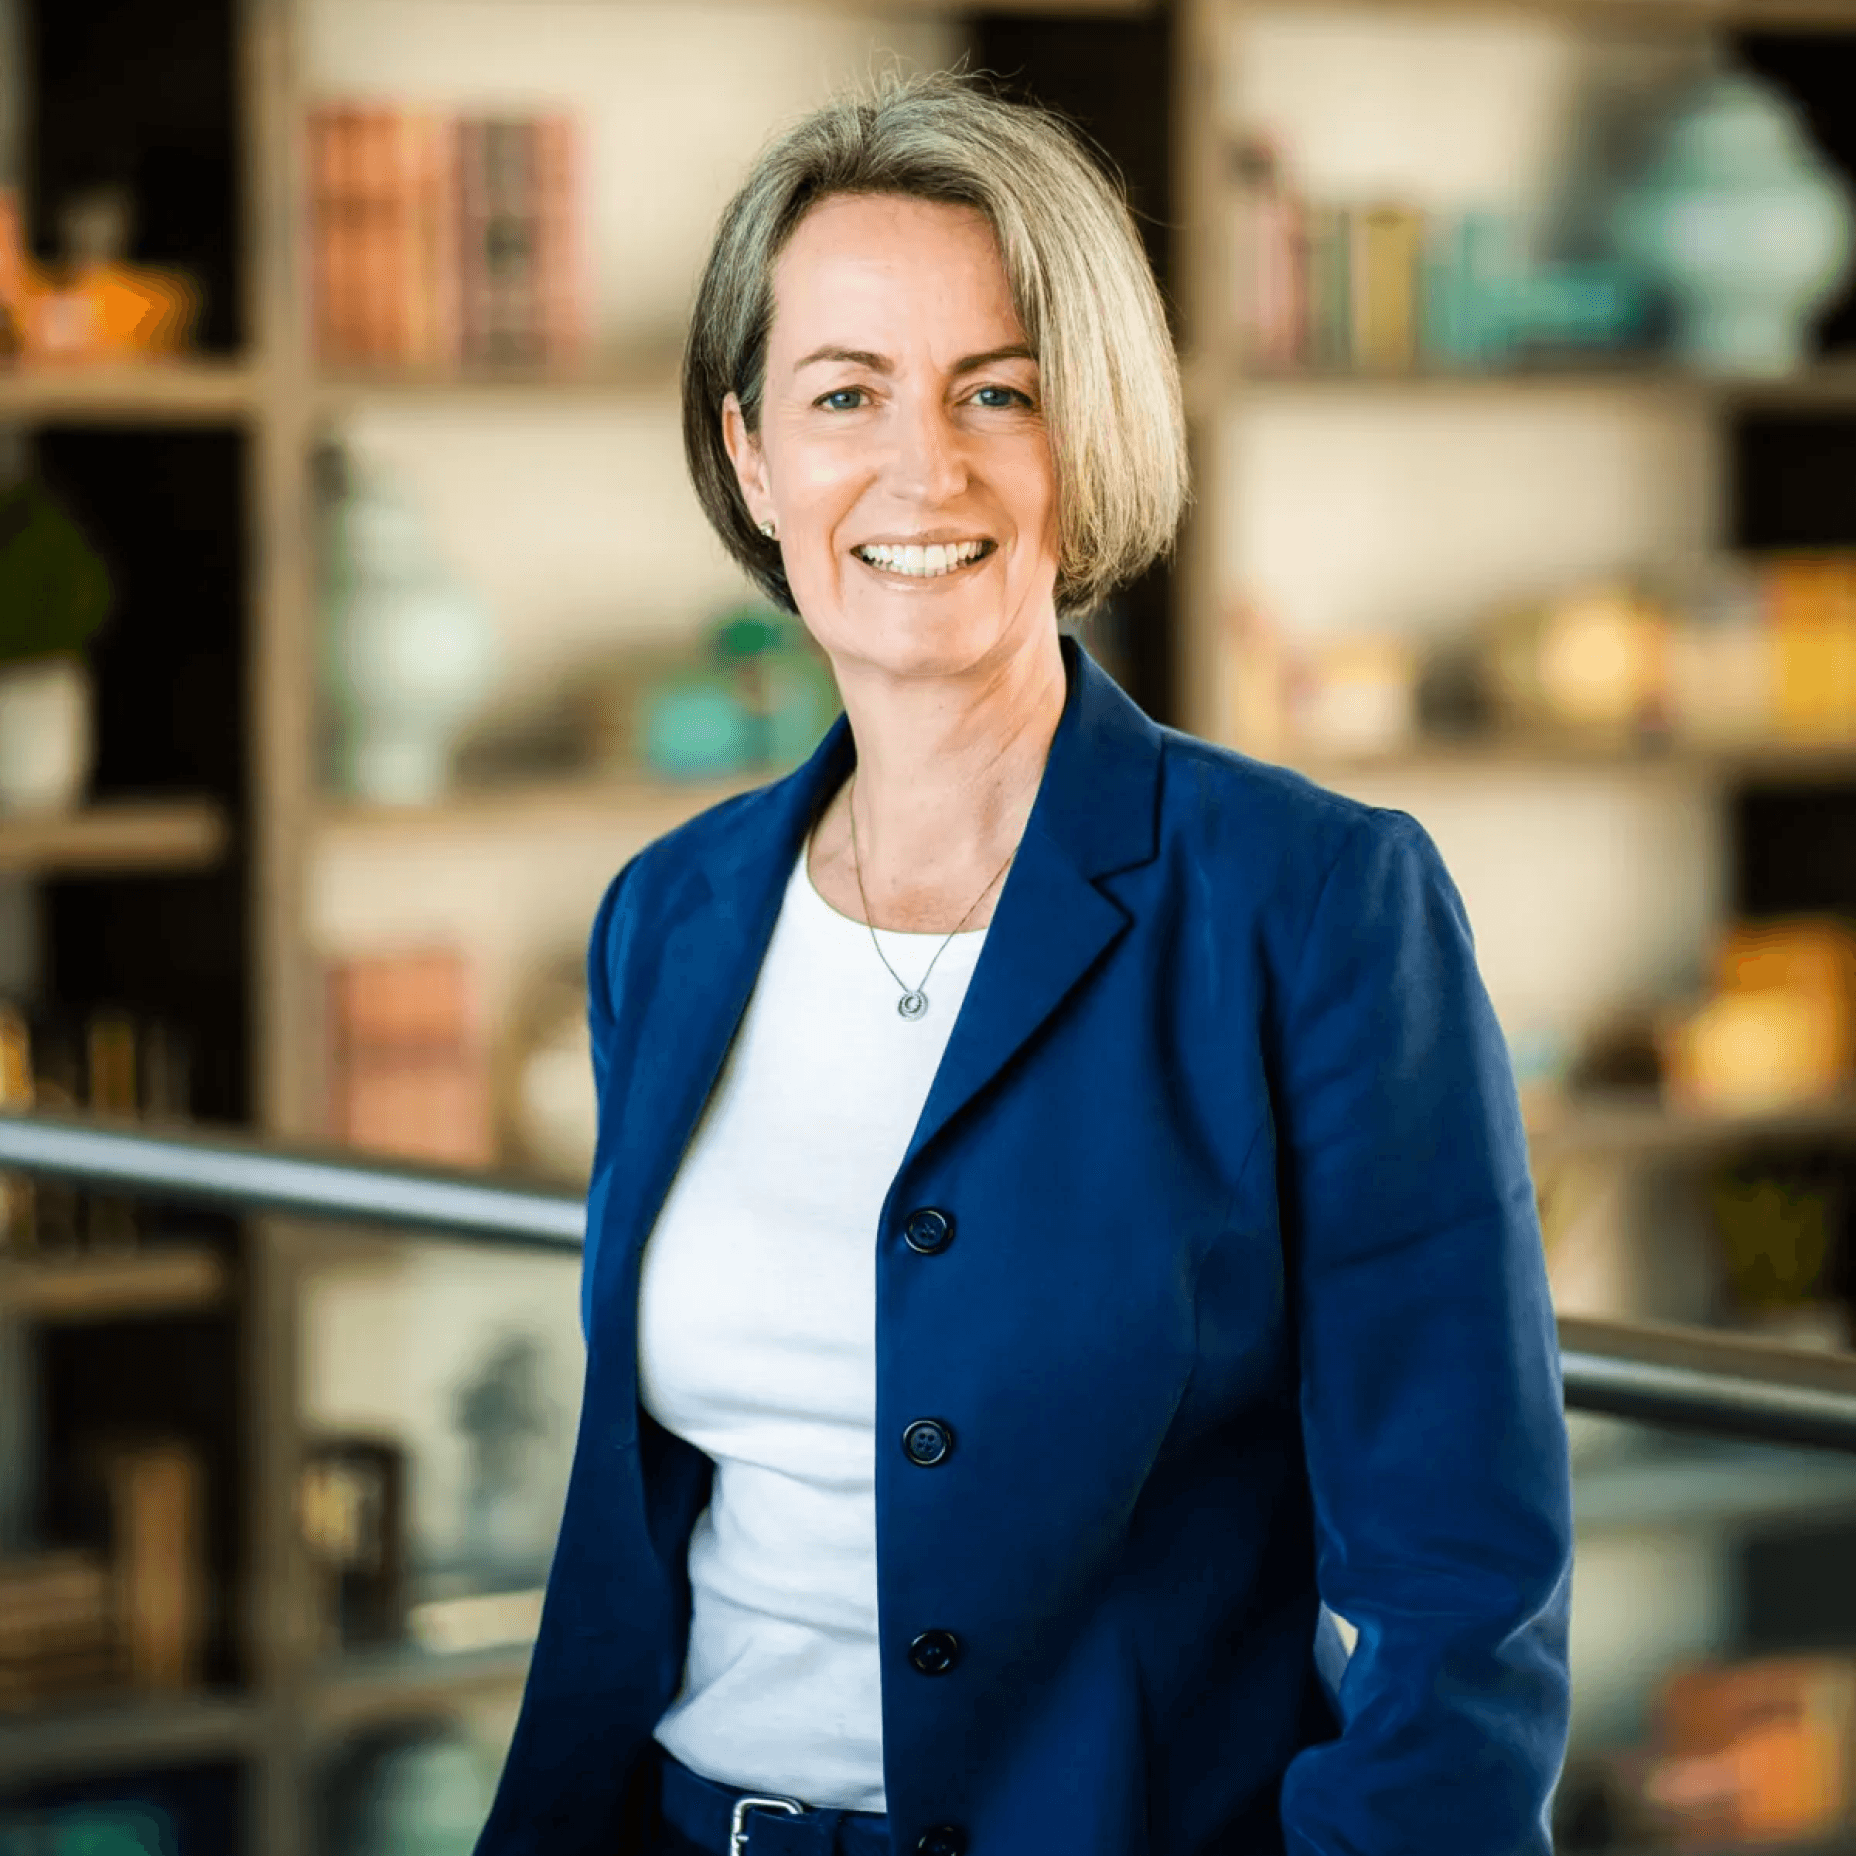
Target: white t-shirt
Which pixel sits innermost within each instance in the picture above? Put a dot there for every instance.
(757, 1344)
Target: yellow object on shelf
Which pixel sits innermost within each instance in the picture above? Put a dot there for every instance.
(1811, 614)
(1781, 1026)
(1595, 661)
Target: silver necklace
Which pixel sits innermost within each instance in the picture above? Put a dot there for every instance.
(914, 1000)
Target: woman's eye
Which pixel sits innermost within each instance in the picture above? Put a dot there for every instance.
(1003, 397)
(845, 399)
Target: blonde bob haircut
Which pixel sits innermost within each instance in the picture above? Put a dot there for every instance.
(1080, 283)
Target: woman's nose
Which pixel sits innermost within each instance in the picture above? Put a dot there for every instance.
(930, 457)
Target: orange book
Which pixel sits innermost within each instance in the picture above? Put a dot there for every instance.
(560, 283)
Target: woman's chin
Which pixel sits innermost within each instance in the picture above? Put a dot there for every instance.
(919, 641)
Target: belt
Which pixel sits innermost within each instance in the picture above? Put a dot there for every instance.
(727, 1821)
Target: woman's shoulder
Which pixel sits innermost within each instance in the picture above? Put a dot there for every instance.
(1227, 810)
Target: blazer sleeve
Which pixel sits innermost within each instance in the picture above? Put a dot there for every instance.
(1430, 1388)
(605, 945)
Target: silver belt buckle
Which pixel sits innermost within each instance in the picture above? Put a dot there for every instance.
(738, 1818)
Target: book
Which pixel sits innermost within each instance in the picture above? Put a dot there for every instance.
(1266, 261)
(407, 1072)
(437, 241)
(1384, 270)
(560, 279)
(157, 1515)
(1327, 290)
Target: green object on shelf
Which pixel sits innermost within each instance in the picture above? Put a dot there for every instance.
(89, 1830)
(754, 631)
(697, 728)
(54, 590)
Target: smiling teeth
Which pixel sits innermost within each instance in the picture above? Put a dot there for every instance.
(924, 563)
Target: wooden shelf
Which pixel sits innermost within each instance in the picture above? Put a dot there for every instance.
(116, 836)
(1630, 15)
(167, 392)
(1211, 383)
(648, 373)
(167, 1279)
(638, 807)
(364, 1688)
(1757, 763)
(121, 1734)
(1641, 1127)
(1724, 1485)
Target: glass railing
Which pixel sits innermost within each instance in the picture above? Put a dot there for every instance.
(358, 1551)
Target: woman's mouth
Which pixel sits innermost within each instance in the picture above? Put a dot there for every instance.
(932, 562)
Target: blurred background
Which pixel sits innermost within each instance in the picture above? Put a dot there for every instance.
(357, 623)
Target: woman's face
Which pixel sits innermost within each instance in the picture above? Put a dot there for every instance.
(902, 452)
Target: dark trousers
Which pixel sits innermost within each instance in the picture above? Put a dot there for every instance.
(817, 1833)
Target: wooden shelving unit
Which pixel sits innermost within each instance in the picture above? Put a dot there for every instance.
(81, 1742)
(108, 839)
(1751, 763)
(158, 1280)
(632, 808)
(1641, 1127)
(618, 376)
(156, 392)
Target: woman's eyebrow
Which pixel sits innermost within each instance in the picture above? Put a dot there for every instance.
(882, 364)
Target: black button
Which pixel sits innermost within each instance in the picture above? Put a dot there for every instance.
(934, 1652)
(928, 1230)
(942, 1840)
(927, 1442)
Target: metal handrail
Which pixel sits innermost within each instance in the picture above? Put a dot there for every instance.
(1684, 1378)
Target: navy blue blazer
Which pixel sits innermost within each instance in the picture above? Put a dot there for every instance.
(1216, 1249)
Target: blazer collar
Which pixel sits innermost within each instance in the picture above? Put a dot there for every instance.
(1097, 804)
(1096, 812)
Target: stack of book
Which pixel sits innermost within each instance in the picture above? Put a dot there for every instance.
(58, 1629)
(407, 1070)
(76, 1622)
(444, 242)
(1386, 286)
(104, 1062)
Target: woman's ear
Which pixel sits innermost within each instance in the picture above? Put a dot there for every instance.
(744, 453)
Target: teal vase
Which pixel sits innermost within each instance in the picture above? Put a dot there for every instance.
(1742, 224)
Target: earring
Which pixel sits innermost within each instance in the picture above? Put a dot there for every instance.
(767, 529)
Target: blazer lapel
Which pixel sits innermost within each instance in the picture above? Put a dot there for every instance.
(1096, 812)
(710, 937)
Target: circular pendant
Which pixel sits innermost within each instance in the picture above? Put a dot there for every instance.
(912, 1004)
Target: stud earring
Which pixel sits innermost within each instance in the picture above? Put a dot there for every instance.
(767, 529)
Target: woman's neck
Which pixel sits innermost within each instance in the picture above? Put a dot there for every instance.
(946, 778)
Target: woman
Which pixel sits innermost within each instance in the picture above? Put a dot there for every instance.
(1088, 1218)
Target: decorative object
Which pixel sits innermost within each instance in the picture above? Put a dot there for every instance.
(1742, 223)
(351, 1511)
(410, 654)
(1779, 1027)
(1358, 696)
(46, 743)
(92, 306)
(417, 1789)
(1593, 661)
(549, 1112)
(54, 593)
(1722, 662)
(762, 699)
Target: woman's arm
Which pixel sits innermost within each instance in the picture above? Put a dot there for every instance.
(604, 946)
(1431, 1400)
